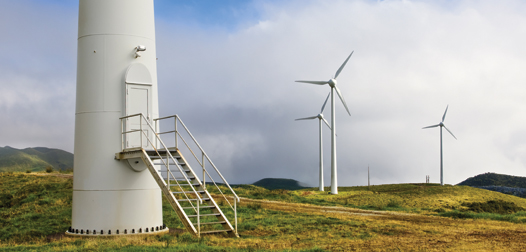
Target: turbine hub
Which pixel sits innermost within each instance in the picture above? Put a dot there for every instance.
(332, 82)
(320, 116)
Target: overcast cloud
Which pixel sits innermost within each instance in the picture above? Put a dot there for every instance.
(232, 82)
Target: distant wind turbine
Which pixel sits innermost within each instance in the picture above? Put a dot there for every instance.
(332, 83)
(320, 117)
(441, 124)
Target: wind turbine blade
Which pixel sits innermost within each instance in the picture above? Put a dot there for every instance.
(323, 107)
(343, 65)
(343, 100)
(432, 126)
(313, 82)
(327, 123)
(450, 132)
(444, 116)
(307, 118)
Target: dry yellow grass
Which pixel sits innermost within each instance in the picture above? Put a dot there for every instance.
(329, 223)
(385, 231)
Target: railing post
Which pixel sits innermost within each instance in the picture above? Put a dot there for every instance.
(175, 124)
(203, 165)
(140, 125)
(167, 170)
(235, 214)
(122, 135)
(198, 221)
(156, 130)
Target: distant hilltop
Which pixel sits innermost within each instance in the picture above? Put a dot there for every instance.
(34, 159)
(493, 179)
(280, 183)
(507, 184)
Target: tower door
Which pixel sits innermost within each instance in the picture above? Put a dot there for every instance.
(139, 101)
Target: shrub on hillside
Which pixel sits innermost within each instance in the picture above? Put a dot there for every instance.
(515, 191)
(49, 169)
(493, 206)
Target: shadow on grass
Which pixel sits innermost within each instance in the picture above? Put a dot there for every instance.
(518, 217)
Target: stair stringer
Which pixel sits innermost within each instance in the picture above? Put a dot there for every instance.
(205, 194)
(168, 194)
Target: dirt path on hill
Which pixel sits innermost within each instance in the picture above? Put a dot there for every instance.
(300, 207)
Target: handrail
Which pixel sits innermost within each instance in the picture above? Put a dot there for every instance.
(208, 158)
(202, 162)
(178, 118)
(166, 164)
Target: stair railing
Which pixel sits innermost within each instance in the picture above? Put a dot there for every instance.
(204, 156)
(154, 145)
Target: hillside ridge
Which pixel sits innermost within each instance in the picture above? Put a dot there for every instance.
(279, 183)
(34, 159)
(494, 179)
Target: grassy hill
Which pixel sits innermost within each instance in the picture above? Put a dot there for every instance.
(415, 198)
(279, 183)
(34, 159)
(512, 185)
(493, 179)
(36, 210)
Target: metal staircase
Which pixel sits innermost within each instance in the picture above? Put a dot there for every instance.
(185, 191)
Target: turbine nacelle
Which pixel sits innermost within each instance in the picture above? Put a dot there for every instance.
(332, 83)
(441, 124)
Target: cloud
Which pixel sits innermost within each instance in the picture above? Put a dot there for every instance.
(412, 58)
(235, 88)
(37, 85)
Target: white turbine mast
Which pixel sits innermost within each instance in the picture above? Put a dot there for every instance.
(332, 83)
(441, 124)
(320, 117)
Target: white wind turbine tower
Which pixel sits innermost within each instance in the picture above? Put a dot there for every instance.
(320, 117)
(441, 124)
(332, 83)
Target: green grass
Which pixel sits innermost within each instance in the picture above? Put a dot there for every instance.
(34, 209)
(33, 206)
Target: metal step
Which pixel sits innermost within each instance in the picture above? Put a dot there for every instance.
(161, 152)
(182, 200)
(180, 179)
(178, 192)
(173, 170)
(211, 223)
(200, 206)
(194, 184)
(162, 163)
(157, 161)
(212, 214)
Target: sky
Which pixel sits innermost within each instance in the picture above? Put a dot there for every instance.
(228, 68)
